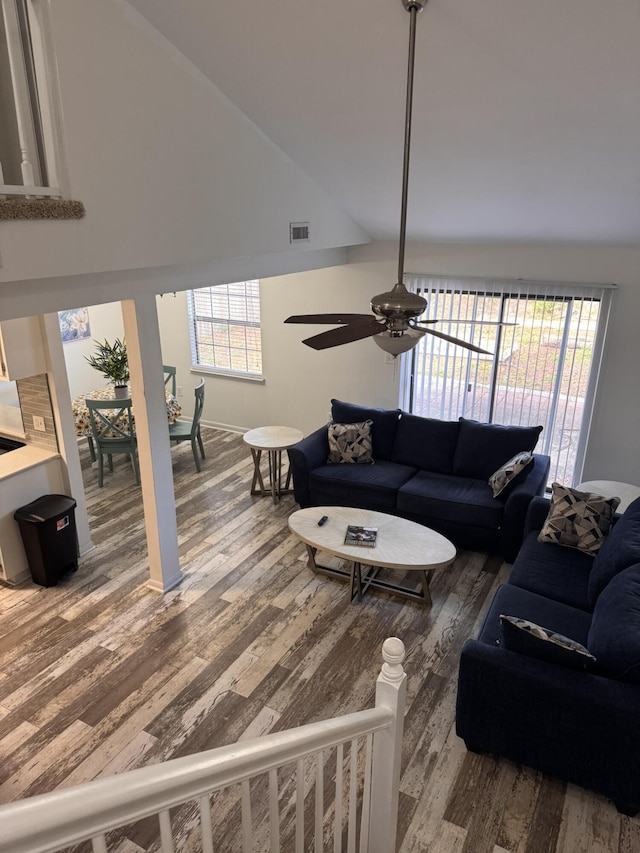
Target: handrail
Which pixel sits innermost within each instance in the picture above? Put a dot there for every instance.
(46, 822)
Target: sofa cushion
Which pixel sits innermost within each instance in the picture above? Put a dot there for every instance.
(578, 519)
(427, 443)
(527, 638)
(510, 474)
(369, 486)
(620, 550)
(383, 431)
(556, 617)
(483, 448)
(561, 574)
(350, 443)
(446, 498)
(614, 637)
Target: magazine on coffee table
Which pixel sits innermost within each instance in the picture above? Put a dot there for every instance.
(357, 535)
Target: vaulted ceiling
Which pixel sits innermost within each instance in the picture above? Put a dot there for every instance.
(526, 112)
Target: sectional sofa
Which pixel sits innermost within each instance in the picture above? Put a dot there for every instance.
(430, 471)
(576, 717)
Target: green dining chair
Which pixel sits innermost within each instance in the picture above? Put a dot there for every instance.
(190, 430)
(170, 377)
(112, 432)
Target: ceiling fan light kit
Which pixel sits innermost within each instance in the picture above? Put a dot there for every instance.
(394, 326)
(395, 343)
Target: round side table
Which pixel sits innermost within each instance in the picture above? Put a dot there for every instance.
(273, 440)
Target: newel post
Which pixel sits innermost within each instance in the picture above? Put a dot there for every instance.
(391, 689)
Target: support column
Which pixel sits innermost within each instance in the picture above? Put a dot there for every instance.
(142, 335)
(65, 427)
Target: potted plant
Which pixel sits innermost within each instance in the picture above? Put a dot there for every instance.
(111, 361)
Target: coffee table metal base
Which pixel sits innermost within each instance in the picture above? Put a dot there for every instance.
(361, 581)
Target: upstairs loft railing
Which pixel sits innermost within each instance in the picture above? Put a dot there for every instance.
(361, 809)
(26, 113)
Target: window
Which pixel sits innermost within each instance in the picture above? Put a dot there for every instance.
(224, 323)
(28, 166)
(543, 370)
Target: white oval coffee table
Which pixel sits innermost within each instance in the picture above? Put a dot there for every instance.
(400, 544)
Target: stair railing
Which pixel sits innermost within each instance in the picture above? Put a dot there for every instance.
(365, 787)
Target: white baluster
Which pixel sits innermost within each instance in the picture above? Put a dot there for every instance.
(1, 181)
(206, 830)
(391, 689)
(247, 823)
(166, 836)
(353, 797)
(337, 823)
(319, 799)
(26, 133)
(99, 844)
(366, 799)
(274, 812)
(300, 806)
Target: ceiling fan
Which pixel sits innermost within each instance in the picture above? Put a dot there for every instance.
(394, 326)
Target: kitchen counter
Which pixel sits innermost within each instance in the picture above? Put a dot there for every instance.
(26, 457)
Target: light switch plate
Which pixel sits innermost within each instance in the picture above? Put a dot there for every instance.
(38, 423)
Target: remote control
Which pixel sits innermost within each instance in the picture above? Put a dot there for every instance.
(322, 520)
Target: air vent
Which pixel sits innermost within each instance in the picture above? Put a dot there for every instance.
(299, 232)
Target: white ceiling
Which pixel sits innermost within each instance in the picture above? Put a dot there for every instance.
(526, 112)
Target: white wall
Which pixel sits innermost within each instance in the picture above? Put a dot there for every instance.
(169, 170)
(300, 382)
(105, 322)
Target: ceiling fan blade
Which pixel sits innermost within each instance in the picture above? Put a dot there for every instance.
(345, 334)
(467, 322)
(327, 318)
(457, 341)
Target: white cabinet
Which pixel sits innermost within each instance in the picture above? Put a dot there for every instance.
(21, 348)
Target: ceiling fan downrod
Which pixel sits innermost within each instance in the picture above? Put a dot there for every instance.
(398, 305)
(413, 7)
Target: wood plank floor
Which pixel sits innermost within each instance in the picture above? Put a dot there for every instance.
(100, 674)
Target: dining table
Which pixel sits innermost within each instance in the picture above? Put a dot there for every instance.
(81, 412)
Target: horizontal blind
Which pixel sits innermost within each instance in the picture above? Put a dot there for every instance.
(224, 326)
(543, 369)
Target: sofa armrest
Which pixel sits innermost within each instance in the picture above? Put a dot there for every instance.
(574, 725)
(304, 456)
(536, 514)
(517, 505)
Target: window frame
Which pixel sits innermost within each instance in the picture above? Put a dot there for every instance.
(230, 318)
(36, 100)
(521, 290)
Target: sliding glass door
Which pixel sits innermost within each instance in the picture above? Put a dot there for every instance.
(543, 368)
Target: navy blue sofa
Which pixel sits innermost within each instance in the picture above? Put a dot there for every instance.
(579, 725)
(430, 471)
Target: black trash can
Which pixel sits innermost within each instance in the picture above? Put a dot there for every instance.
(48, 528)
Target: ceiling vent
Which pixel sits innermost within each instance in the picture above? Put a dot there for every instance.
(299, 232)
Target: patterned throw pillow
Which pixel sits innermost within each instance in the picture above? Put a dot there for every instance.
(506, 474)
(578, 519)
(527, 638)
(350, 443)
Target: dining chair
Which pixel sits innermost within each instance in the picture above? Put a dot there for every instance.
(170, 376)
(190, 430)
(112, 432)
